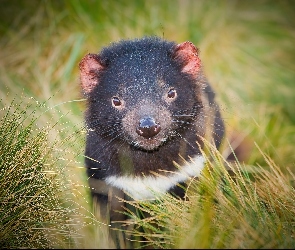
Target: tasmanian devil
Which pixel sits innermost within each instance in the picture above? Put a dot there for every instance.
(148, 108)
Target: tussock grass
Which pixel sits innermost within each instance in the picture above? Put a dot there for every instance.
(223, 209)
(248, 55)
(44, 203)
(31, 216)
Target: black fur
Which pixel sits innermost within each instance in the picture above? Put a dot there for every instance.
(133, 69)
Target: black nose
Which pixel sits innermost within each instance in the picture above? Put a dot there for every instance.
(148, 127)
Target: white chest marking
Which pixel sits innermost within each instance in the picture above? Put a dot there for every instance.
(148, 187)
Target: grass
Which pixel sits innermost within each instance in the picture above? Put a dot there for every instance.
(223, 210)
(31, 216)
(248, 55)
(44, 195)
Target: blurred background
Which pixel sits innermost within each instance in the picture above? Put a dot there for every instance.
(247, 49)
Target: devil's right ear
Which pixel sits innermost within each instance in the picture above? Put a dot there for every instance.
(90, 70)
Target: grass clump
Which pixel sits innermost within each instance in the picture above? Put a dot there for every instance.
(39, 207)
(31, 216)
(236, 209)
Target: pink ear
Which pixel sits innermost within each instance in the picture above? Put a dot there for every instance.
(90, 69)
(187, 54)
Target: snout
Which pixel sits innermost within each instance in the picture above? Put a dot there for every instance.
(148, 127)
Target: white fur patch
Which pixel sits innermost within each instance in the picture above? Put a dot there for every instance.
(148, 187)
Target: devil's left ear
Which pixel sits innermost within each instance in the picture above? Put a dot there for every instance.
(187, 55)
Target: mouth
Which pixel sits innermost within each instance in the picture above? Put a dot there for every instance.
(149, 144)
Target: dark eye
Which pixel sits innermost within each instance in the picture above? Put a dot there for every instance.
(116, 101)
(171, 93)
